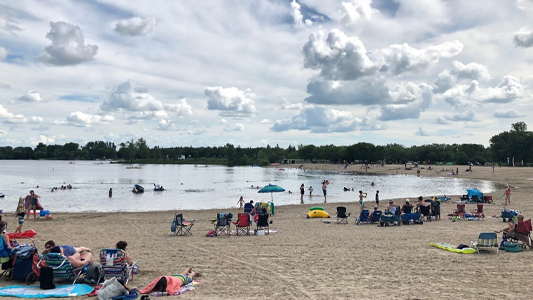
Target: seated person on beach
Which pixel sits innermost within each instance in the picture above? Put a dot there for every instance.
(76, 259)
(3, 228)
(435, 209)
(171, 284)
(49, 245)
(420, 203)
(392, 207)
(407, 208)
(511, 232)
(122, 246)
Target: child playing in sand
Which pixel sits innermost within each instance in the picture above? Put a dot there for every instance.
(241, 202)
(20, 213)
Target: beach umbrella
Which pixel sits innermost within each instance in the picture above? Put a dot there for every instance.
(271, 188)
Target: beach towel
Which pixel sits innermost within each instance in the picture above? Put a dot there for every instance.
(24, 291)
(27, 203)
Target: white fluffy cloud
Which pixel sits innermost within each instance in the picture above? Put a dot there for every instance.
(265, 121)
(230, 100)
(3, 53)
(235, 127)
(68, 46)
(403, 58)
(506, 91)
(297, 16)
(7, 24)
(338, 57)
(181, 108)
(319, 119)
(80, 119)
(422, 132)
(136, 26)
(460, 72)
(523, 38)
(510, 113)
(464, 116)
(8, 117)
(166, 125)
(31, 96)
(356, 10)
(131, 96)
(423, 94)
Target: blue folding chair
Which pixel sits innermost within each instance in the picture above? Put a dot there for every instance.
(486, 239)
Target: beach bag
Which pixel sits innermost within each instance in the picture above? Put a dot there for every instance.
(173, 226)
(94, 272)
(211, 233)
(111, 289)
(511, 247)
(47, 278)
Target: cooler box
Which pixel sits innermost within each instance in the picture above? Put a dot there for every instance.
(511, 247)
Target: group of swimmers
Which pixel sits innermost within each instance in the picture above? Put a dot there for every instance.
(63, 187)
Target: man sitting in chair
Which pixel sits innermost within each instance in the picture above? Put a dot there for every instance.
(76, 259)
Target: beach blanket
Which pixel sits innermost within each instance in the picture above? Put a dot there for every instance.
(27, 203)
(24, 291)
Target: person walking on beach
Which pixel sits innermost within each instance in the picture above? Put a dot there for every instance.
(20, 213)
(241, 202)
(508, 195)
(302, 192)
(324, 189)
(377, 198)
(110, 192)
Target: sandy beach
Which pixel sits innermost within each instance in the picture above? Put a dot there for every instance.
(309, 259)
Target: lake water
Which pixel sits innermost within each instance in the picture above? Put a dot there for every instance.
(199, 186)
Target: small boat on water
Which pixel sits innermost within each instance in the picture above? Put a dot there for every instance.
(133, 167)
(2, 195)
(158, 188)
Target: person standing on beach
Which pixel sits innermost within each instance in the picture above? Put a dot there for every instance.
(302, 192)
(241, 202)
(110, 192)
(33, 204)
(361, 202)
(324, 189)
(377, 198)
(508, 195)
(19, 213)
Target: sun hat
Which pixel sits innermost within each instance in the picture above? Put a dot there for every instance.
(407, 200)
(375, 206)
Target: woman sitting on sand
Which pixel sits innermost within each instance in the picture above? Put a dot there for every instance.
(171, 284)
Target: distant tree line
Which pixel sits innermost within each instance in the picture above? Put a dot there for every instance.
(516, 143)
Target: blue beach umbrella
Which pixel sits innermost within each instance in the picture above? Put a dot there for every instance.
(271, 188)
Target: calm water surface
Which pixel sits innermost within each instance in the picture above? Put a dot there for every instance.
(199, 186)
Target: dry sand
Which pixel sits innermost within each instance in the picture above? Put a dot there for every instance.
(308, 259)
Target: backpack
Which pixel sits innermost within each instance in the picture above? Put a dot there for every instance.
(47, 278)
(94, 272)
(173, 226)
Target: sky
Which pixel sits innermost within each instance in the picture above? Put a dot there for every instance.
(264, 72)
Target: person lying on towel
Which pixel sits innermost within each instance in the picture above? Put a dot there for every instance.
(170, 284)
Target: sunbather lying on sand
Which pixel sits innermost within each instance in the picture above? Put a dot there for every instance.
(170, 284)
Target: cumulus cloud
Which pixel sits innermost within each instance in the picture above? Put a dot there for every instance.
(136, 26)
(403, 58)
(423, 93)
(319, 119)
(510, 113)
(265, 121)
(338, 57)
(526, 5)
(523, 38)
(366, 91)
(3, 53)
(462, 116)
(297, 16)
(422, 132)
(166, 125)
(131, 96)
(460, 72)
(356, 10)
(68, 46)
(31, 96)
(181, 108)
(11, 118)
(80, 119)
(42, 139)
(291, 106)
(509, 89)
(231, 100)
(235, 127)
(223, 121)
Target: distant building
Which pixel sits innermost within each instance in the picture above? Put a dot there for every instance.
(181, 157)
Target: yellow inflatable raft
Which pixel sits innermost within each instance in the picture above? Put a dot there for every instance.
(317, 214)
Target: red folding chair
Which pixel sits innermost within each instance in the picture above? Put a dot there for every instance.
(461, 209)
(242, 226)
(478, 212)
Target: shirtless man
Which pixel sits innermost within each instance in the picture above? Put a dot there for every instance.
(76, 259)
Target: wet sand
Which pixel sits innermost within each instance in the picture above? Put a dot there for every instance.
(309, 259)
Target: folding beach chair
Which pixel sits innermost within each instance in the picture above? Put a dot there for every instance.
(364, 217)
(180, 226)
(522, 233)
(425, 211)
(478, 212)
(113, 262)
(342, 217)
(222, 225)
(461, 209)
(62, 268)
(486, 239)
(262, 223)
(242, 226)
(248, 207)
(376, 216)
